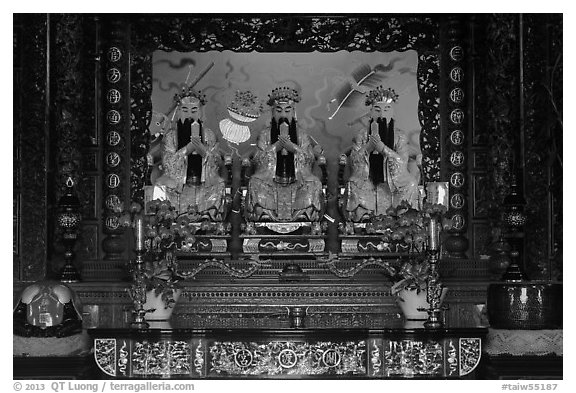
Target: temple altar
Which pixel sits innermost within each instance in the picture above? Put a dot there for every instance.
(279, 197)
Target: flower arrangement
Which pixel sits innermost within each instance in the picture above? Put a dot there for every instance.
(160, 233)
(415, 231)
(155, 239)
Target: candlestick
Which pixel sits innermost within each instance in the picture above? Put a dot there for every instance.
(139, 232)
(433, 231)
(137, 292)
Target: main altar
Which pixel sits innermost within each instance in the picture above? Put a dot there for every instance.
(261, 197)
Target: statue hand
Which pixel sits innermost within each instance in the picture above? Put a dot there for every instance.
(376, 143)
(189, 149)
(369, 146)
(287, 143)
(198, 146)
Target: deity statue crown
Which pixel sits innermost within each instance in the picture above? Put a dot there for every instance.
(189, 92)
(283, 93)
(381, 95)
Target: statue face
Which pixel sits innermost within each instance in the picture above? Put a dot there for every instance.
(283, 110)
(381, 110)
(189, 108)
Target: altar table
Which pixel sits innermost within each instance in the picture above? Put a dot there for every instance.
(394, 351)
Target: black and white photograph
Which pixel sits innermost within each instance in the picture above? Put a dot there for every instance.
(242, 200)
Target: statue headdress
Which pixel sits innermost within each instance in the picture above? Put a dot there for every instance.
(283, 93)
(189, 92)
(381, 95)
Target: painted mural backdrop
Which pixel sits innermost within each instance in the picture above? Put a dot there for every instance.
(323, 80)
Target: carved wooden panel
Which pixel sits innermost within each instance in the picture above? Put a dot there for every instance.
(32, 125)
(543, 143)
(90, 160)
(481, 241)
(455, 157)
(480, 195)
(480, 160)
(88, 246)
(115, 120)
(501, 93)
(90, 207)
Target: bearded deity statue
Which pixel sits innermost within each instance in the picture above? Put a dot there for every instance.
(283, 187)
(380, 175)
(191, 161)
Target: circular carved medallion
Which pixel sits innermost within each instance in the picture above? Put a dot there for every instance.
(243, 358)
(113, 96)
(112, 201)
(113, 75)
(113, 138)
(457, 53)
(457, 95)
(457, 116)
(458, 221)
(114, 54)
(331, 358)
(456, 74)
(113, 159)
(457, 201)
(112, 180)
(111, 222)
(457, 137)
(113, 116)
(457, 179)
(287, 358)
(457, 158)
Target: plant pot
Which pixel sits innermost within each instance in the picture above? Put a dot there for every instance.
(409, 301)
(161, 312)
(525, 305)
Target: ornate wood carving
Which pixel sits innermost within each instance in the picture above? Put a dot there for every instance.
(116, 144)
(68, 86)
(502, 98)
(32, 124)
(456, 141)
(543, 142)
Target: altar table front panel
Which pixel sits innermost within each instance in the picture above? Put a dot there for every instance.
(393, 352)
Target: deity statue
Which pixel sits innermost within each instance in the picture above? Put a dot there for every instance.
(191, 161)
(380, 175)
(283, 187)
(403, 182)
